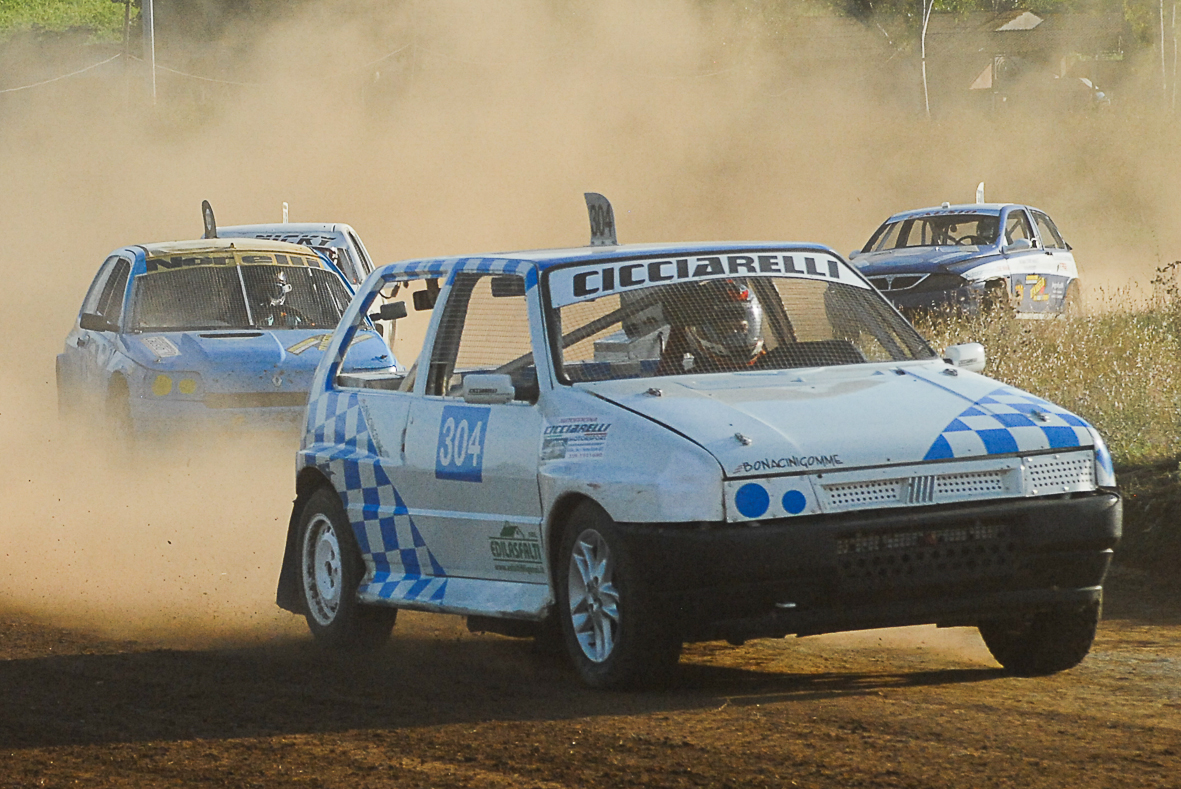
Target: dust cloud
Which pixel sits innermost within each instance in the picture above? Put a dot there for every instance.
(447, 128)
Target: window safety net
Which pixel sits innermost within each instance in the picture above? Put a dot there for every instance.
(238, 297)
(485, 329)
(730, 325)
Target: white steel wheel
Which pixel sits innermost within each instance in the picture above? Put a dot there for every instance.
(330, 573)
(592, 596)
(617, 633)
(323, 573)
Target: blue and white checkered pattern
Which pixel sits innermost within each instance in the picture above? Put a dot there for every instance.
(404, 567)
(449, 267)
(1008, 420)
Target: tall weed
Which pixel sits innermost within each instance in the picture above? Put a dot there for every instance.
(1116, 365)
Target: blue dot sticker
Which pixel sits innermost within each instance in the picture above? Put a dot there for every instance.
(794, 502)
(752, 500)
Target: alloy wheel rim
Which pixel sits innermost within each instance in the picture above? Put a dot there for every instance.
(593, 598)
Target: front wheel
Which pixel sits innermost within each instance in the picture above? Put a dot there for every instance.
(330, 573)
(616, 634)
(1045, 643)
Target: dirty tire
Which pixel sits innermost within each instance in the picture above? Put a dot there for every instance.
(330, 570)
(995, 301)
(1072, 301)
(615, 634)
(66, 395)
(118, 409)
(1046, 643)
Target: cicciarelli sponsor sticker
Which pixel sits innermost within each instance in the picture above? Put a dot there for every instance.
(790, 463)
(572, 284)
(574, 438)
(515, 551)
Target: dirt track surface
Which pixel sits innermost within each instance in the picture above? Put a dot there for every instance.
(442, 707)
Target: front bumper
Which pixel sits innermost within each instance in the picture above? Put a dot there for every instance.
(153, 416)
(951, 565)
(965, 299)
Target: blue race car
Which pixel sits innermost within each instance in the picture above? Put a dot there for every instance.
(972, 257)
(213, 333)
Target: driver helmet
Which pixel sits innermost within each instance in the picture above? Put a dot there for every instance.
(272, 287)
(729, 324)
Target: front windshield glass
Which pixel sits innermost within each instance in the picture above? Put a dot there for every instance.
(939, 230)
(724, 324)
(250, 296)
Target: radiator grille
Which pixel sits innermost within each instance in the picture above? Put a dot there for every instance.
(972, 483)
(1051, 471)
(853, 494)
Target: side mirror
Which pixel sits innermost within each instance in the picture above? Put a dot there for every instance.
(969, 355)
(854, 253)
(392, 311)
(425, 299)
(488, 388)
(1018, 245)
(92, 322)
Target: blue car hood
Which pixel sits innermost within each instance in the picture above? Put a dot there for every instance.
(248, 360)
(955, 260)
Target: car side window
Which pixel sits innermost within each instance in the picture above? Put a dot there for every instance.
(110, 304)
(1051, 238)
(1017, 227)
(484, 328)
(364, 264)
(99, 286)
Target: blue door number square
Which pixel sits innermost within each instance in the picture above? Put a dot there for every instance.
(459, 454)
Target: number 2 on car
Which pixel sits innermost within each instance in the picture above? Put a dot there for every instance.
(460, 450)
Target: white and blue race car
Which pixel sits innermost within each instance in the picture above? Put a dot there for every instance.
(213, 333)
(640, 446)
(968, 257)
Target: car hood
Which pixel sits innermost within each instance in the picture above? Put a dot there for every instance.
(762, 423)
(249, 359)
(955, 260)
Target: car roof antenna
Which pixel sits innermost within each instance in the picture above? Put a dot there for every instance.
(980, 193)
(207, 218)
(602, 220)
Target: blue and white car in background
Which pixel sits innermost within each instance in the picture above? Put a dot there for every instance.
(336, 241)
(214, 333)
(968, 257)
(639, 446)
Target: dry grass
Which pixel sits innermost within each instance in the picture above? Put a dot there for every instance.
(1116, 366)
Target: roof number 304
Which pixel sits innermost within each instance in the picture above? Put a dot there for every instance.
(460, 452)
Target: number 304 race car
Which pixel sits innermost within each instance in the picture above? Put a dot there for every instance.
(633, 447)
(213, 333)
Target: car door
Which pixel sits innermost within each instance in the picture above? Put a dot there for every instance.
(100, 322)
(471, 469)
(1060, 267)
(1026, 262)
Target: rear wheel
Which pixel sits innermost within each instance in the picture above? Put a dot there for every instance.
(1045, 643)
(614, 630)
(330, 574)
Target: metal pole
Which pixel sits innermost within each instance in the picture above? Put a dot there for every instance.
(126, 53)
(927, 6)
(1164, 76)
(150, 44)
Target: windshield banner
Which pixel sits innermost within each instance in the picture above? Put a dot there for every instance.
(230, 258)
(584, 283)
